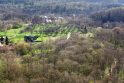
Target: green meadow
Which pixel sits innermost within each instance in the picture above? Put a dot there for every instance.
(43, 31)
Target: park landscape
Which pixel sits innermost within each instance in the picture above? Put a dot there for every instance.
(61, 41)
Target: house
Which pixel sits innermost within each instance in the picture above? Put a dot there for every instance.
(46, 19)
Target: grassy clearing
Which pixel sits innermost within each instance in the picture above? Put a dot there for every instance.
(39, 30)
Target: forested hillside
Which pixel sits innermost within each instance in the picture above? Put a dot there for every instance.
(25, 1)
(61, 41)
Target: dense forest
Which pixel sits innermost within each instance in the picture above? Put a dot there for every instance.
(61, 41)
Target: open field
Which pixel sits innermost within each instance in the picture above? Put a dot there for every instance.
(43, 31)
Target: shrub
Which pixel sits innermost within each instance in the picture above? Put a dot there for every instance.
(23, 48)
(16, 26)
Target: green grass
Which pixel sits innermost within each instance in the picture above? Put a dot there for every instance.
(15, 35)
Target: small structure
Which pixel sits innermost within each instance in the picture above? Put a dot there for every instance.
(46, 19)
(30, 38)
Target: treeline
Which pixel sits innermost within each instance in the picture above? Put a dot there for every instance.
(25, 1)
(25, 9)
(111, 15)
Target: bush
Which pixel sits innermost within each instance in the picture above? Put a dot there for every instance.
(16, 26)
(23, 48)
